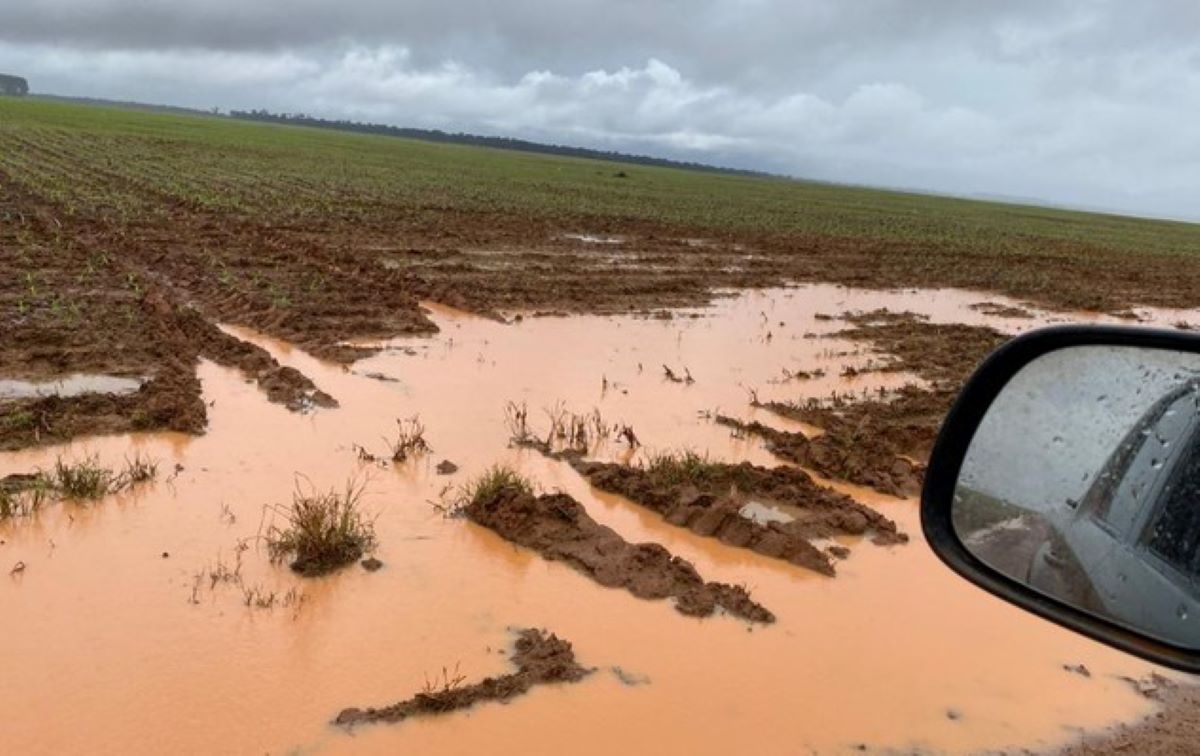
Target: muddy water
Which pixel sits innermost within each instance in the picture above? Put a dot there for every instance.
(116, 639)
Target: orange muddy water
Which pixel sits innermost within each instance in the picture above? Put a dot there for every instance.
(116, 640)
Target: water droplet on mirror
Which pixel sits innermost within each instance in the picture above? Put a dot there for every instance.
(1058, 440)
(1156, 464)
(1182, 612)
(1121, 577)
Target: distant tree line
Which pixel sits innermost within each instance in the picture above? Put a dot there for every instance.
(13, 85)
(503, 143)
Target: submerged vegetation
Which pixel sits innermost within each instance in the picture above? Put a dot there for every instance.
(323, 530)
(82, 480)
(22, 495)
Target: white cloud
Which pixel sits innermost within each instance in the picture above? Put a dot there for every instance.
(1037, 101)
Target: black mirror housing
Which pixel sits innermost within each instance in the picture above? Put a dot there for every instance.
(947, 463)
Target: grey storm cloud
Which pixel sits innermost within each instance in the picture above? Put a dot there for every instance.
(1084, 103)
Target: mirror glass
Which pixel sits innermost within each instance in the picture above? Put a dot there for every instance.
(1083, 482)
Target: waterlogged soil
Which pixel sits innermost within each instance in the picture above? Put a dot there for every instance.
(539, 656)
(176, 338)
(882, 442)
(1172, 729)
(195, 641)
(710, 503)
(559, 528)
(88, 289)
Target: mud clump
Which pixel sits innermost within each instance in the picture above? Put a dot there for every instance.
(708, 499)
(559, 528)
(541, 658)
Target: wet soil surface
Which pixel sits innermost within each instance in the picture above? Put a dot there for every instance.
(161, 568)
(540, 658)
(883, 443)
(1172, 730)
(559, 528)
(77, 277)
(174, 337)
(710, 503)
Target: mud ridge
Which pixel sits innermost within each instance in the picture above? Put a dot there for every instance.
(540, 657)
(853, 453)
(181, 325)
(885, 443)
(710, 503)
(560, 529)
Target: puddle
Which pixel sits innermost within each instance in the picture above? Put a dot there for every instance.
(594, 239)
(71, 385)
(764, 513)
(110, 644)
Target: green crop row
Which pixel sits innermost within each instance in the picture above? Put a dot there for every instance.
(126, 162)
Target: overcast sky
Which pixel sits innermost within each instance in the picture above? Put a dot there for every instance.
(1083, 103)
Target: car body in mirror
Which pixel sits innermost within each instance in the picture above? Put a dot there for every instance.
(1066, 479)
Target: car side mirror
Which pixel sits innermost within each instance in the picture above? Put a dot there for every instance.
(1066, 480)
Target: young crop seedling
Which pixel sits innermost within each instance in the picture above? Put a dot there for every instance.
(444, 684)
(671, 376)
(516, 419)
(410, 440)
(323, 530)
(137, 470)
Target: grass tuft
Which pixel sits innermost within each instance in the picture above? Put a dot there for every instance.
(410, 440)
(85, 480)
(496, 480)
(677, 468)
(138, 470)
(324, 531)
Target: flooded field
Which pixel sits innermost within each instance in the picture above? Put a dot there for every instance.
(156, 616)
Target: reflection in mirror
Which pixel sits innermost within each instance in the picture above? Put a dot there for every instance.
(1083, 482)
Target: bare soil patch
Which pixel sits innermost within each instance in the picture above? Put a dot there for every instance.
(540, 657)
